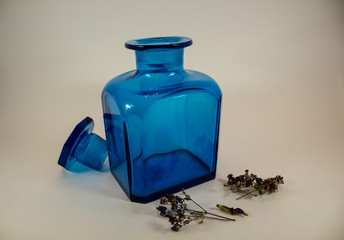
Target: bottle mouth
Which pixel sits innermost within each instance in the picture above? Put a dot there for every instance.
(173, 42)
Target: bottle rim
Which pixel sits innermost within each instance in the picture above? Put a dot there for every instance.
(170, 42)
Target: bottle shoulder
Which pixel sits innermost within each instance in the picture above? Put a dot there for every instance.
(161, 82)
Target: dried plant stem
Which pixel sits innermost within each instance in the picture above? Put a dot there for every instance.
(246, 194)
(197, 217)
(219, 217)
(198, 205)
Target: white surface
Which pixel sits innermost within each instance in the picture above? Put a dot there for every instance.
(280, 65)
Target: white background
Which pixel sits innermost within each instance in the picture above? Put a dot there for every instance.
(280, 65)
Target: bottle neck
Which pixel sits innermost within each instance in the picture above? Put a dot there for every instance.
(160, 60)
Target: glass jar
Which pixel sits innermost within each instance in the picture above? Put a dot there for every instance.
(161, 121)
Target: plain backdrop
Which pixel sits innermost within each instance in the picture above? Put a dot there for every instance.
(280, 65)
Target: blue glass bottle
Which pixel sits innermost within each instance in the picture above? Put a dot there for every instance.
(161, 121)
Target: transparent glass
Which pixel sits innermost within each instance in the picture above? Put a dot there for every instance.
(161, 122)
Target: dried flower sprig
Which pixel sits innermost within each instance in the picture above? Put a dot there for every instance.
(180, 215)
(251, 184)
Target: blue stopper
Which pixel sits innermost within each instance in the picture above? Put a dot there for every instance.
(84, 147)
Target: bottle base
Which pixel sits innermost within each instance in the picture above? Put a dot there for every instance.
(172, 190)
